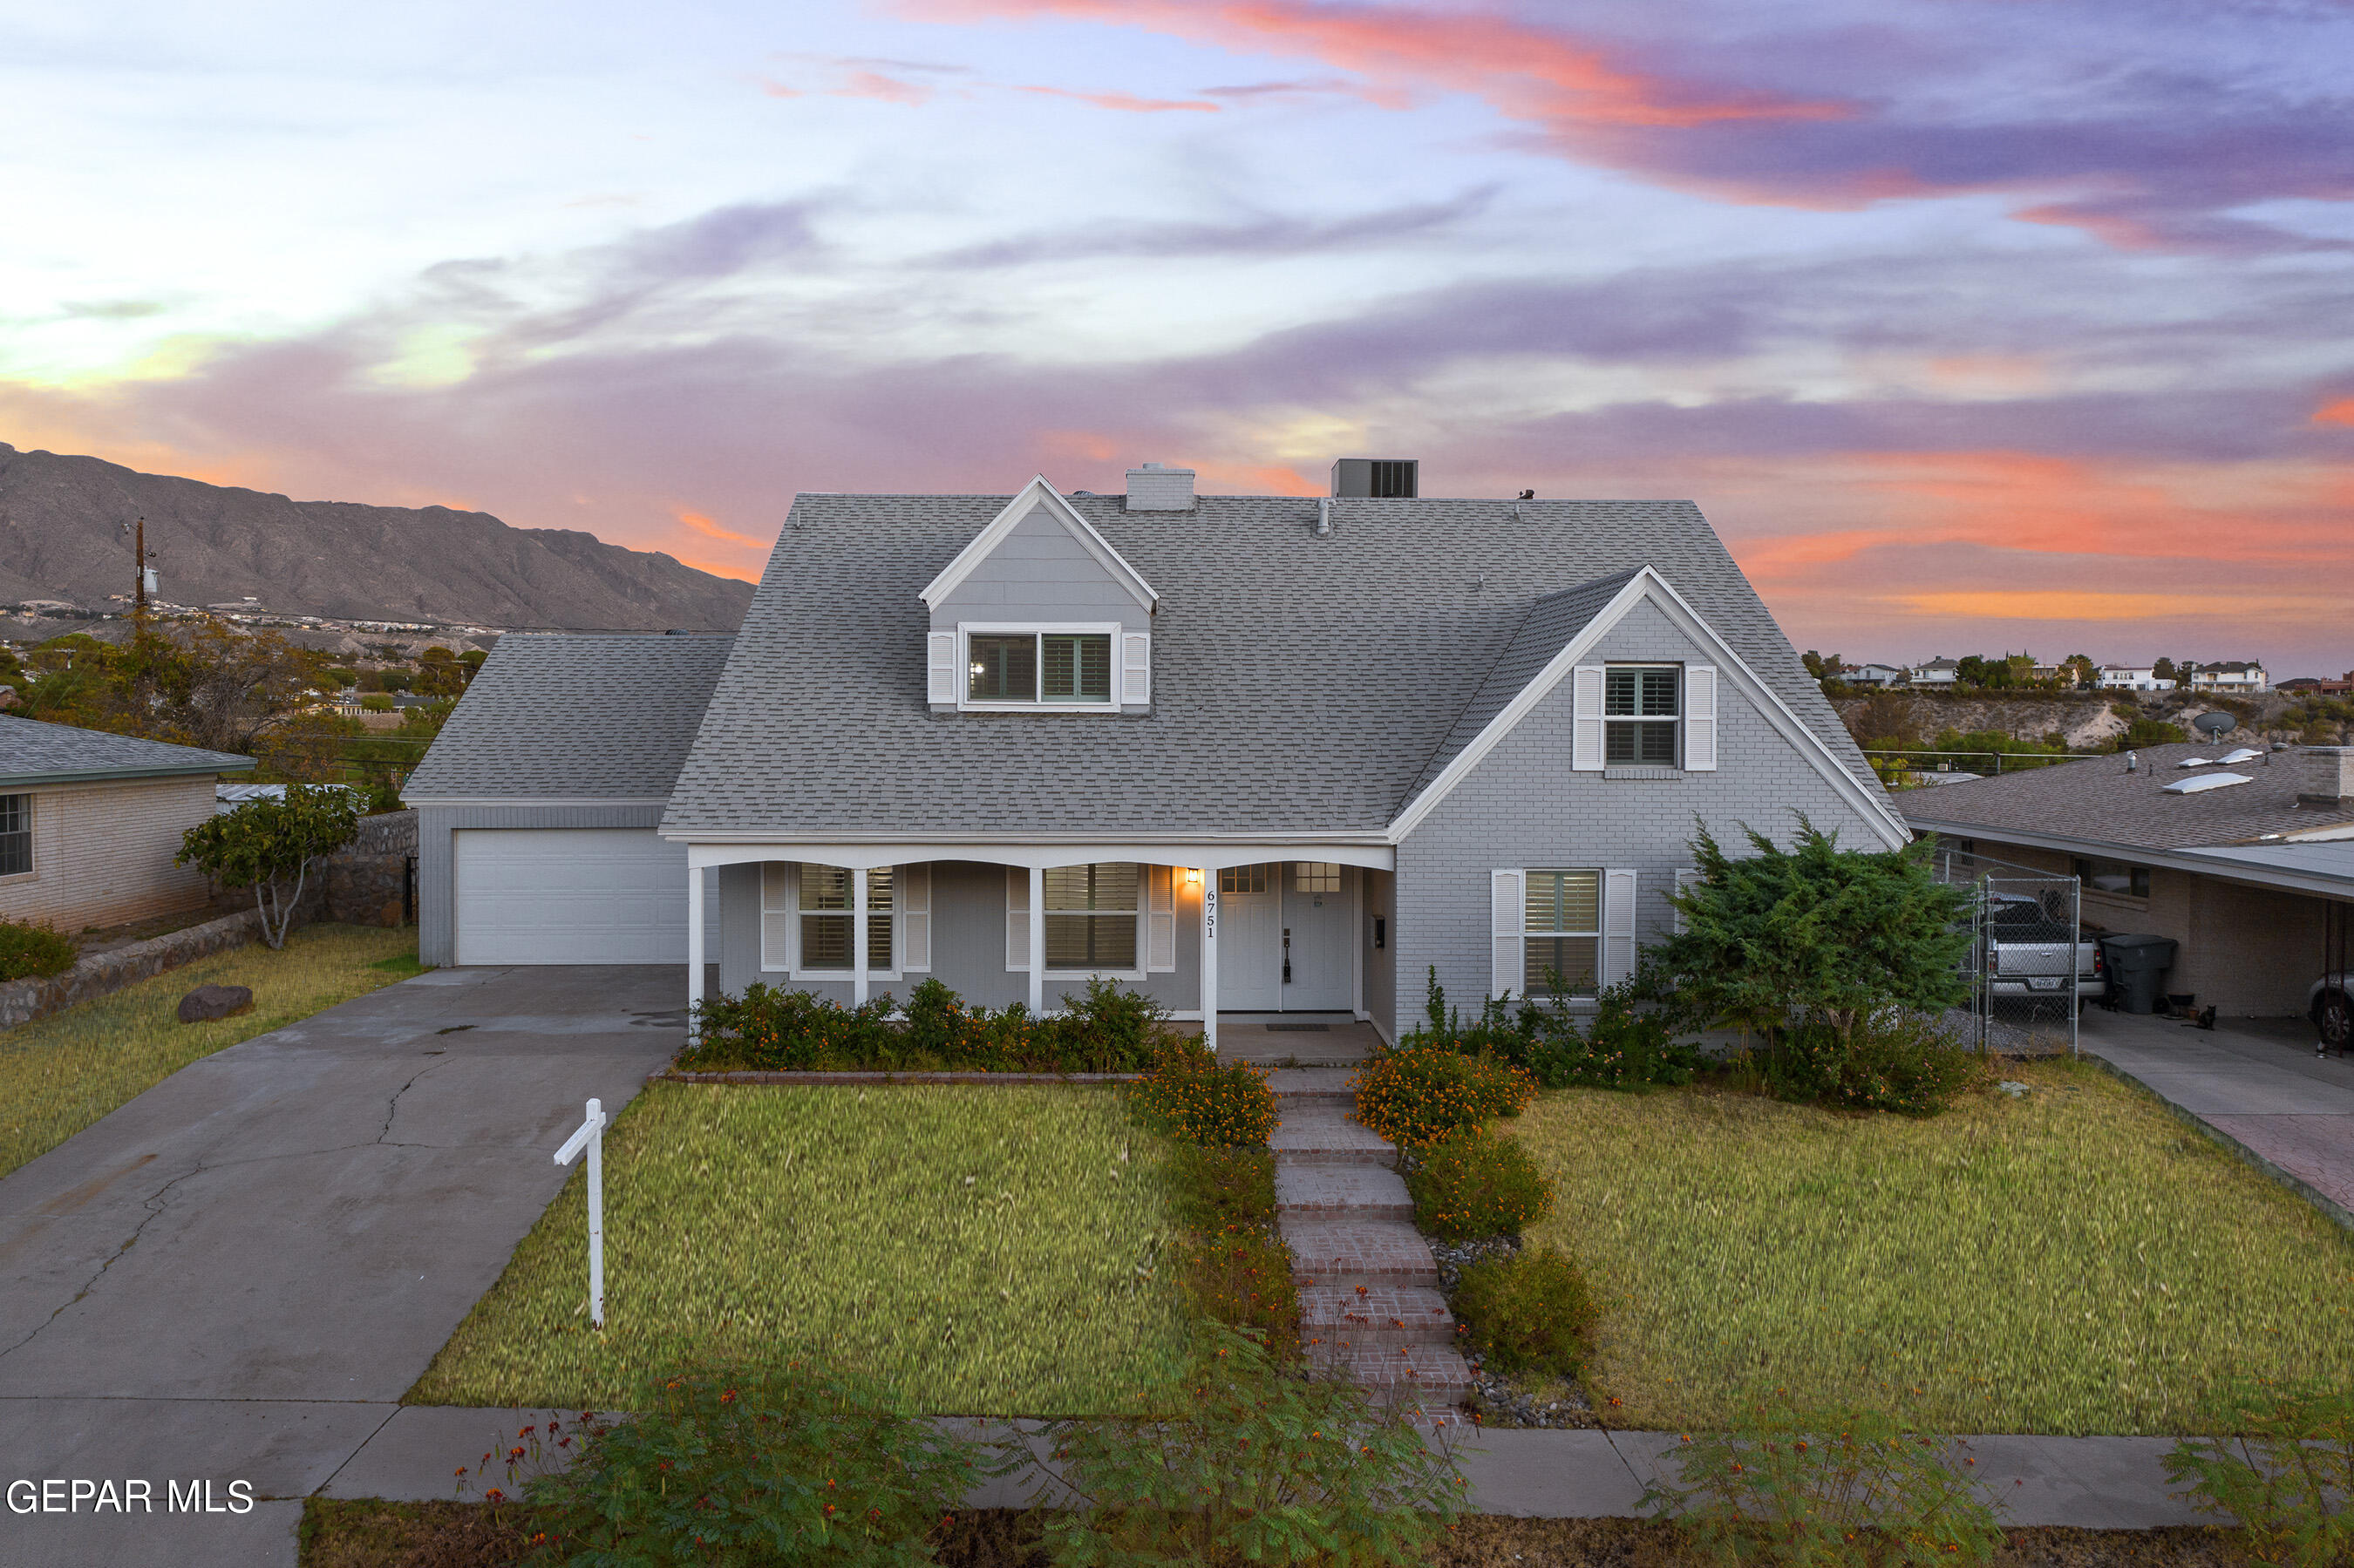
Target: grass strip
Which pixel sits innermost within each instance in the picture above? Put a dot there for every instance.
(2073, 1261)
(59, 1073)
(989, 1251)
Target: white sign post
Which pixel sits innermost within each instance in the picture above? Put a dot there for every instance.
(592, 1137)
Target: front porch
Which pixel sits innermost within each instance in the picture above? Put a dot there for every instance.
(1222, 938)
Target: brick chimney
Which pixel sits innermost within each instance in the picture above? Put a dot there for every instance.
(1153, 488)
(2328, 776)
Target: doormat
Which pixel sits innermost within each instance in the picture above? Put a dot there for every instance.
(1300, 1029)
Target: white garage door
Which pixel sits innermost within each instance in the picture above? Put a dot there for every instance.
(569, 896)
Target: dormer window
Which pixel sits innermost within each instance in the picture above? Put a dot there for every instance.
(1038, 667)
(1639, 711)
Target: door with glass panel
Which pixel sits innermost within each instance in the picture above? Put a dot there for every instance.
(1317, 954)
(1250, 938)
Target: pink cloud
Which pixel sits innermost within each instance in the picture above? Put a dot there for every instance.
(1126, 103)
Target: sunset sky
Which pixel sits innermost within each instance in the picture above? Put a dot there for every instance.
(1973, 326)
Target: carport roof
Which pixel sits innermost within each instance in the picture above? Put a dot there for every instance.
(2098, 801)
(33, 752)
(573, 717)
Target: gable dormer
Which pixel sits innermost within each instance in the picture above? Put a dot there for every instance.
(1039, 614)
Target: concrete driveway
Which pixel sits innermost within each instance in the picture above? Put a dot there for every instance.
(235, 1275)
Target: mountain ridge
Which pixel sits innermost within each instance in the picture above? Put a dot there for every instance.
(60, 537)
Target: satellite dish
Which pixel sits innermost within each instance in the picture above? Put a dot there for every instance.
(2214, 726)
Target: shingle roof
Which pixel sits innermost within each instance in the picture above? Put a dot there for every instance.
(1300, 685)
(33, 752)
(1547, 628)
(2097, 800)
(573, 716)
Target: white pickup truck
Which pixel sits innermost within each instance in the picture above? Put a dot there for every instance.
(2029, 954)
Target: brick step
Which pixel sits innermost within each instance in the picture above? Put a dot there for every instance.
(1432, 1376)
(1323, 1134)
(1297, 1087)
(1341, 1191)
(1357, 1252)
(1344, 1319)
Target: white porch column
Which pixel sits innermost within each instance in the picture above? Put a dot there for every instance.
(1037, 940)
(1209, 958)
(858, 936)
(693, 944)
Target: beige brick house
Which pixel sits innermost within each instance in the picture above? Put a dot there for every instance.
(90, 822)
(2243, 856)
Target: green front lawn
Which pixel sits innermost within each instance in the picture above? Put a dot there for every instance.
(2075, 1261)
(59, 1073)
(983, 1250)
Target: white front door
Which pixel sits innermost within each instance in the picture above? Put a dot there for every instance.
(1319, 936)
(1250, 938)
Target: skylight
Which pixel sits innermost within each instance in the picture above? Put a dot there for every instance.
(2245, 753)
(2196, 762)
(2207, 781)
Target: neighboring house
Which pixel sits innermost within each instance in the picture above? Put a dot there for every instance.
(2234, 675)
(2131, 678)
(2317, 686)
(2239, 874)
(90, 822)
(1936, 672)
(1250, 754)
(1874, 674)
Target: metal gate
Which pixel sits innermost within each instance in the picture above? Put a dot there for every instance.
(2030, 964)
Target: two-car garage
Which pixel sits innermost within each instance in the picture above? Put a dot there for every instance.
(568, 896)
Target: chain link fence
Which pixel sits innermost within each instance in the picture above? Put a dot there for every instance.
(2032, 966)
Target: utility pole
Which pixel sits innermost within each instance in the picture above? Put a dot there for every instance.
(138, 599)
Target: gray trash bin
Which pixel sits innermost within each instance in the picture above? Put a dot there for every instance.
(2138, 965)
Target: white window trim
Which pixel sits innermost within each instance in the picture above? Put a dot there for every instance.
(1512, 927)
(1017, 906)
(792, 911)
(968, 629)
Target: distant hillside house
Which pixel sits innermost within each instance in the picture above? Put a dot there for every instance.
(1938, 671)
(2233, 676)
(90, 822)
(1873, 674)
(2131, 678)
(1246, 754)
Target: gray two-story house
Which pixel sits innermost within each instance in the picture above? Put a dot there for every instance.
(1251, 754)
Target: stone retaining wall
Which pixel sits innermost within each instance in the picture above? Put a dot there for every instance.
(23, 1001)
(366, 880)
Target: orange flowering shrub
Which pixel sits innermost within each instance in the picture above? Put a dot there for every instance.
(1427, 1093)
(1241, 1276)
(1188, 1094)
(1475, 1185)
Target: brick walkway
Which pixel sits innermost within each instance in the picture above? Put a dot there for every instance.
(1368, 1286)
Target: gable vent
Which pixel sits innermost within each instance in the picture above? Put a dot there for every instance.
(1153, 488)
(1377, 479)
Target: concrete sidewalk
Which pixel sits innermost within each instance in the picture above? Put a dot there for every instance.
(237, 1276)
(2255, 1083)
(2101, 1483)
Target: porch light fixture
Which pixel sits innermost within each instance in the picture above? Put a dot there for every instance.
(1192, 877)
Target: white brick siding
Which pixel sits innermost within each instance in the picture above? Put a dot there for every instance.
(102, 852)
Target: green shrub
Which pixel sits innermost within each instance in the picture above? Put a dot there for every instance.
(1617, 1048)
(1190, 1095)
(1528, 1312)
(767, 1464)
(2142, 732)
(1111, 1030)
(1241, 1276)
(1829, 1488)
(1255, 1463)
(1902, 1063)
(1210, 1187)
(31, 951)
(1425, 1094)
(2288, 1476)
(1475, 1185)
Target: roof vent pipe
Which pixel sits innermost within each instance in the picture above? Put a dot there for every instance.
(1323, 516)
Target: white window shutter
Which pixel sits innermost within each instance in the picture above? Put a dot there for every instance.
(1161, 936)
(1700, 718)
(1617, 925)
(913, 887)
(1136, 667)
(941, 660)
(1585, 718)
(1687, 878)
(1017, 918)
(781, 890)
(1508, 905)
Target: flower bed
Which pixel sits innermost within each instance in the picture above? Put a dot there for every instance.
(1111, 1029)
